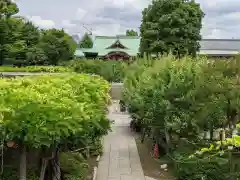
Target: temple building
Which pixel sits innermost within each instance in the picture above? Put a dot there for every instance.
(127, 47)
(112, 47)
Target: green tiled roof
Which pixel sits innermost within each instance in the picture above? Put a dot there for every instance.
(79, 53)
(102, 43)
(85, 50)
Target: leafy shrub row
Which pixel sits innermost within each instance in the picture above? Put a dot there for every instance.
(172, 99)
(112, 71)
(50, 69)
(53, 114)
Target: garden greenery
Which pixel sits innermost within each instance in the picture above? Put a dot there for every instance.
(112, 71)
(176, 99)
(53, 114)
(35, 69)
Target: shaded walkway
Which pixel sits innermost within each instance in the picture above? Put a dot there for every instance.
(120, 160)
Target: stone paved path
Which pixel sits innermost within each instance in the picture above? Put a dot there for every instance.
(120, 160)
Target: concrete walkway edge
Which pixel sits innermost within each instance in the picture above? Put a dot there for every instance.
(120, 159)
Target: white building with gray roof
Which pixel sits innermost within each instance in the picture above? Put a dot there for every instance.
(219, 47)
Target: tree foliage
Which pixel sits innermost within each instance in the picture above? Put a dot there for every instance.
(86, 41)
(30, 120)
(131, 32)
(53, 114)
(57, 45)
(50, 69)
(112, 71)
(171, 26)
(8, 8)
(179, 100)
(188, 95)
(22, 43)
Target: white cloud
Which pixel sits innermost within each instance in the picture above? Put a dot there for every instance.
(42, 23)
(214, 34)
(232, 16)
(67, 24)
(107, 17)
(109, 29)
(81, 13)
(137, 4)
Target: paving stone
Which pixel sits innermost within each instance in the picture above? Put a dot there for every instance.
(114, 174)
(138, 173)
(131, 177)
(136, 167)
(124, 163)
(102, 174)
(119, 178)
(120, 159)
(126, 177)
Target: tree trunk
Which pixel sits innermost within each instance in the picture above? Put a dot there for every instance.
(232, 116)
(52, 169)
(43, 169)
(222, 135)
(55, 165)
(1, 56)
(23, 164)
(204, 135)
(211, 134)
(143, 135)
(168, 140)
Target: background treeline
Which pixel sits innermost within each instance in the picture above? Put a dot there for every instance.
(22, 43)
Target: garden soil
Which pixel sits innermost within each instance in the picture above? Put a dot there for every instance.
(151, 166)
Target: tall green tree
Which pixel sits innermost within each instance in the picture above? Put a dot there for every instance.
(23, 36)
(57, 46)
(171, 26)
(16, 34)
(22, 43)
(86, 41)
(131, 32)
(7, 9)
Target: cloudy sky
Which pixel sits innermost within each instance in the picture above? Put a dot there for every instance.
(111, 17)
